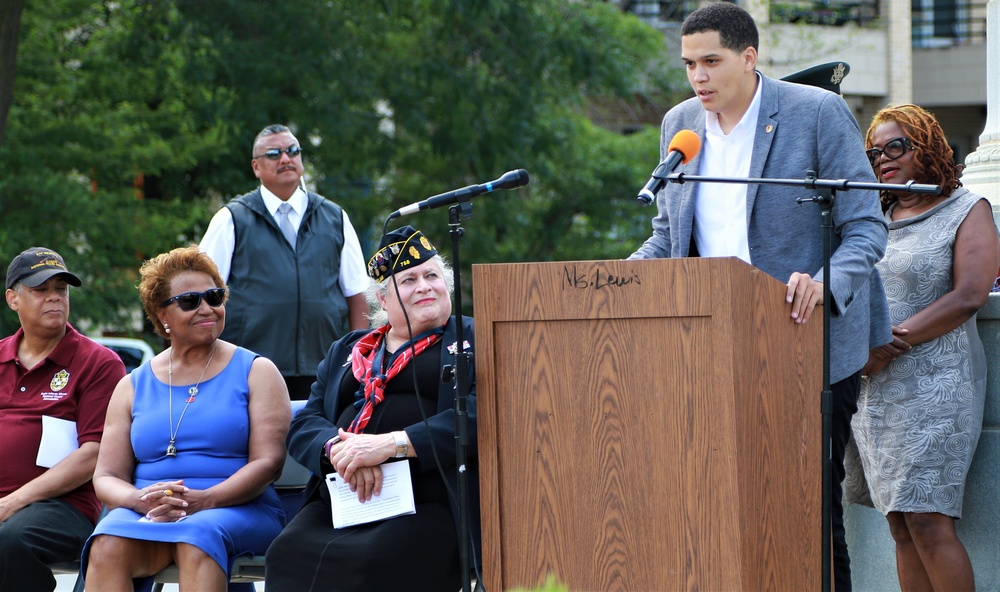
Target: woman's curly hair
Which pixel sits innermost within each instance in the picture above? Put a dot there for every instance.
(157, 273)
(933, 157)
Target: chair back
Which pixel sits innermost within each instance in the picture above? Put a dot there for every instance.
(293, 475)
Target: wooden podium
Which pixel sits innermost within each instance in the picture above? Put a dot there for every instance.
(647, 425)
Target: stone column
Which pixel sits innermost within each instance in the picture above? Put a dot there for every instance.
(899, 54)
(983, 173)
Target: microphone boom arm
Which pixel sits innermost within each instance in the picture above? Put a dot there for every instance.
(811, 183)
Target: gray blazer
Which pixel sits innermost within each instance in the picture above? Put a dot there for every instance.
(799, 128)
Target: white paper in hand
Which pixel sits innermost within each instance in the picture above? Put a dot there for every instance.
(396, 498)
(58, 441)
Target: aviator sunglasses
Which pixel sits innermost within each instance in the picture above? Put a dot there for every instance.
(275, 153)
(893, 149)
(191, 300)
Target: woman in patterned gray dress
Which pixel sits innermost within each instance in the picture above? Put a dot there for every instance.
(921, 405)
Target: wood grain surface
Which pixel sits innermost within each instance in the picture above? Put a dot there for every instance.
(646, 425)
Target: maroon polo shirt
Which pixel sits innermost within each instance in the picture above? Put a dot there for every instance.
(74, 382)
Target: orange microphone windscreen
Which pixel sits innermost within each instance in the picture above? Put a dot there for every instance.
(687, 143)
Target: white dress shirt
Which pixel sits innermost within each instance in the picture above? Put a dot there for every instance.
(720, 213)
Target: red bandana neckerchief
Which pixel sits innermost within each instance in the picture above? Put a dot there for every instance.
(367, 362)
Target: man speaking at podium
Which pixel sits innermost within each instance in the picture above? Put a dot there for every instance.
(754, 126)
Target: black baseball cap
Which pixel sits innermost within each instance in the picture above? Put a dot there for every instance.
(34, 266)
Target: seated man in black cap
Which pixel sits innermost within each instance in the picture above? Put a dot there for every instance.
(54, 386)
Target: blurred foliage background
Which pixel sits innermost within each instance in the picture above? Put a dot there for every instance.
(131, 123)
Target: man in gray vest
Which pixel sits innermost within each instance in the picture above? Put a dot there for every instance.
(293, 264)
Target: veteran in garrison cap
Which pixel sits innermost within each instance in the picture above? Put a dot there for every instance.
(379, 396)
(827, 76)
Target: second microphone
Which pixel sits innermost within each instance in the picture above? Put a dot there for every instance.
(509, 180)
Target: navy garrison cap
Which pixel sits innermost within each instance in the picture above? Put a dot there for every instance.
(826, 76)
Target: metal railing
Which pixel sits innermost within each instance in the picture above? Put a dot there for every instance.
(936, 23)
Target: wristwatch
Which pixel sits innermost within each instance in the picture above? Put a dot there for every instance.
(401, 447)
(329, 444)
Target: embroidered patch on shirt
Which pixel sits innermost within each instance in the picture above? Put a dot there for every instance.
(60, 380)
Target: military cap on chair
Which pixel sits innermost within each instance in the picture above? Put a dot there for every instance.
(826, 76)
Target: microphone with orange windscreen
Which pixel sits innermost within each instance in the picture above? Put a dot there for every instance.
(683, 147)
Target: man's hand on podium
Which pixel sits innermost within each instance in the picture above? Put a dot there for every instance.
(804, 293)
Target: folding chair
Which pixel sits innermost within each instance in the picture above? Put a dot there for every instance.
(69, 568)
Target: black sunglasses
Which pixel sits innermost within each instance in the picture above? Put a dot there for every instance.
(893, 149)
(275, 153)
(192, 300)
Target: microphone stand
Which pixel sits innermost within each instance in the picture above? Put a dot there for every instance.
(461, 205)
(461, 376)
(825, 198)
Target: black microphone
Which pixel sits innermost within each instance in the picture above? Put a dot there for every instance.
(509, 180)
(683, 146)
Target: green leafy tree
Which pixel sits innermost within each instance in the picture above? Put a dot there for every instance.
(133, 122)
(10, 26)
(92, 116)
(512, 95)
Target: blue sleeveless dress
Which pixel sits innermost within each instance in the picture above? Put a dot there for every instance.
(212, 444)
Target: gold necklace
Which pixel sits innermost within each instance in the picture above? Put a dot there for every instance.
(192, 393)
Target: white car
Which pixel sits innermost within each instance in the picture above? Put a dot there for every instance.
(133, 352)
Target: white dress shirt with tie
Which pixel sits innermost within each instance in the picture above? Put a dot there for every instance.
(220, 240)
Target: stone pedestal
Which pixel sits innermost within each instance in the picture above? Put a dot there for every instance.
(982, 174)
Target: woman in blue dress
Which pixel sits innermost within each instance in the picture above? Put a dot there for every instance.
(194, 438)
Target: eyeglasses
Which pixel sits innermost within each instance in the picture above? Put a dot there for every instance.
(191, 300)
(893, 149)
(275, 153)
